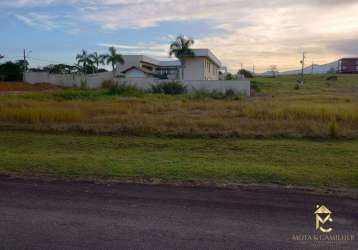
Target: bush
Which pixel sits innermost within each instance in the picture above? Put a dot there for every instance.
(83, 85)
(229, 94)
(75, 94)
(10, 71)
(255, 86)
(169, 88)
(333, 128)
(125, 90)
(107, 84)
(332, 78)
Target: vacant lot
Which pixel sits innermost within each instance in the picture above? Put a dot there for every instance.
(319, 109)
(296, 162)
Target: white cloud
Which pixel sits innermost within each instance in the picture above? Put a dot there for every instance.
(150, 49)
(242, 31)
(42, 21)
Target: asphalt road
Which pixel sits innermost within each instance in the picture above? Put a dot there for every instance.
(70, 215)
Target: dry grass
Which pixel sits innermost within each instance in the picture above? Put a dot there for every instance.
(182, 117)
(20, 86)
(328, 111)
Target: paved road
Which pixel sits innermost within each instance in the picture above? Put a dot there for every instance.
(69, 215)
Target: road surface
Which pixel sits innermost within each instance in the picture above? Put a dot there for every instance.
(79, 215)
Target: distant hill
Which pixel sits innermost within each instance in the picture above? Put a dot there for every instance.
(317, 69)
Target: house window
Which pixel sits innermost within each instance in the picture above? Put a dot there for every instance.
(147, 67)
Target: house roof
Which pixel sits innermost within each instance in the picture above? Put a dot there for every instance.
(209, 54)
(136, 59)
(137, 68)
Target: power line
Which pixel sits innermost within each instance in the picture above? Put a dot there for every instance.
(45, 60)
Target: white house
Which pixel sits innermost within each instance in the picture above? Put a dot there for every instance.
(203, 66)
(140, 66)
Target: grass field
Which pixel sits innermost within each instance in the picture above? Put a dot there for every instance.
(319, 109)
(327, 163)
(285, 134)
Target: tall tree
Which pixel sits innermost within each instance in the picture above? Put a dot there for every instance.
(84, 59)
(97, 59)
(113, 58)
(180, 48)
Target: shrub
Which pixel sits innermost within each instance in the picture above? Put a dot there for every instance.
(83, 85)
(332, 78)
(255, 86)
(219, 95)
(333, 128)
(169, 88)
(75, 94)
(125, 90)
(107, 84)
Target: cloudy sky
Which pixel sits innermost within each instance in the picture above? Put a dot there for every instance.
(264, 33)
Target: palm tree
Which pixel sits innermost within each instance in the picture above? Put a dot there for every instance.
(113, 58)
(97, 59)
(84, 59)
(180, 48)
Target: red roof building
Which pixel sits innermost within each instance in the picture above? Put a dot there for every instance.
(348, 65)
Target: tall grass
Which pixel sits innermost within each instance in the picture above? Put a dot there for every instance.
(297, 113)
(33, 113)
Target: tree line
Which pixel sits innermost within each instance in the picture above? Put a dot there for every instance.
(86, 63)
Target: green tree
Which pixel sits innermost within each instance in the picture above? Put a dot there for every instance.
(113, 58)
(84, 59)
(24, 64)
(10, 71)
(245, 73)
(59, 68)
(97, 59)
(180, 48)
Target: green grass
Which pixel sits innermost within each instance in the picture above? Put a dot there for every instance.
(314, 84)
(326, 163)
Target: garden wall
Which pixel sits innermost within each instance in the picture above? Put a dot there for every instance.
(95, 81)
(68, 80)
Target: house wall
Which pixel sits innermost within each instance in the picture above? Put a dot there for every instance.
(194, 69)
(211, 70)
(200, 68)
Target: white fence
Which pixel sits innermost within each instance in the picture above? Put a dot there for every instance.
(95, 81)
(68, 80)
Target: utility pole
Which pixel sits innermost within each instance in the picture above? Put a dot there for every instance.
(303, 67)
(312, 68)
(253, 69)
(25, 66)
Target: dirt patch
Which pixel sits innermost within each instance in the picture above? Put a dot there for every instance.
(21, 86)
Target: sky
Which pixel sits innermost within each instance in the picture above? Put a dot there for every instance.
(239, 32)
